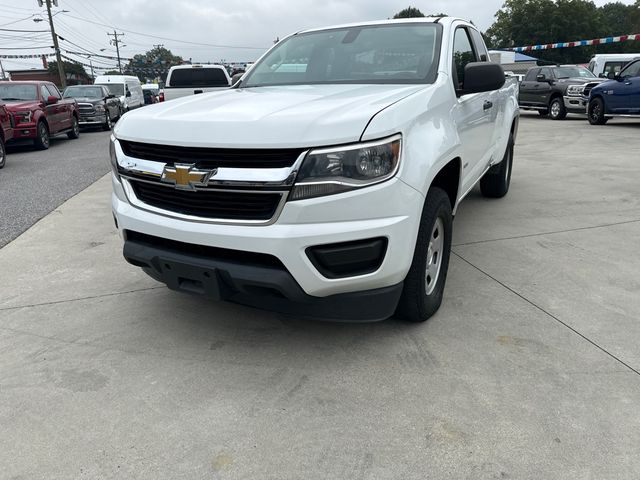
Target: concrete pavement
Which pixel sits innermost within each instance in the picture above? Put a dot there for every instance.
(529, 370)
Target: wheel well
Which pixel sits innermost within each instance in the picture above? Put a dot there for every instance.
(448, 179)
(554, 96)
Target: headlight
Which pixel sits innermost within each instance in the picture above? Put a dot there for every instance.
(575, 89)
(99, 108)
(326, 171)
(24, 117)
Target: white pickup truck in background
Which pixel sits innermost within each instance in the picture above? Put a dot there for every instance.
(184, 80)
(325, 182)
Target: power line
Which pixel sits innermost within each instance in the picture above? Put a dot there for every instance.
(26, 48)
(27, 31)
(172, 39)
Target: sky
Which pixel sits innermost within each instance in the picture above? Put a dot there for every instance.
(202, 30)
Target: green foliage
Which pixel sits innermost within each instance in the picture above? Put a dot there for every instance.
(409, 12)
(70, 68)
(152, 64)
(533, 22)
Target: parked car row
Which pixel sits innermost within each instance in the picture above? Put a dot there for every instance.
(37, 110)
(555, 91)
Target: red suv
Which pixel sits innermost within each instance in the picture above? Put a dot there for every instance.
(39, 111)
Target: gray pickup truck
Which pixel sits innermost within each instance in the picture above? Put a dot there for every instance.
(557, 90)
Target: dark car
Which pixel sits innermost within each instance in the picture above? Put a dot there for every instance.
(6, 132)
(97, 105)
(557, 90)
(619, 96)
(39, 111)
(149, 97)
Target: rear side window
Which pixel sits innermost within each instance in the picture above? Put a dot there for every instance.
(198, 77)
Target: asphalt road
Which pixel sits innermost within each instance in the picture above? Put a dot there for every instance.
(33, 183)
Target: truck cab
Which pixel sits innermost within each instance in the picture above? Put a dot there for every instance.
(619, 96)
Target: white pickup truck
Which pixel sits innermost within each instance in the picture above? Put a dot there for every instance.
(325, 182)
(184, 80)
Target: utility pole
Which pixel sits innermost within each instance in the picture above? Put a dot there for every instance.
(63, 78)
(116, 42)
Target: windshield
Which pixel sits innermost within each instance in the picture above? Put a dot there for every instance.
(402, 53)
(18, 92)
(573, 72)
(83, 92)
(116, 89)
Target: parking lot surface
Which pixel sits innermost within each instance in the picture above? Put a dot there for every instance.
(35, 182)
(529, 370)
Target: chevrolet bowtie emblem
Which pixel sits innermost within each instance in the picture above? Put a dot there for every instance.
(185, 176)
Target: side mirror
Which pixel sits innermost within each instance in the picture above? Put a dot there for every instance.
(611, 75)
(482, 77)
(128, 94)
(51, 100)
(541, 77)
(111, 95)
(602, 75)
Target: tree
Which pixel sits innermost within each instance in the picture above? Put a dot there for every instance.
(74, 71)
(409, 12)
(534, 22)
(153, 64)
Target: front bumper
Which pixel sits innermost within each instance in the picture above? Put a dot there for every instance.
(97, 119)
(575, 104)
(390, 210)
(22, 131)
(250, 281)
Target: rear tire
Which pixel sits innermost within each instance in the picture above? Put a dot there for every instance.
(75, 128)
(424, 284)
(596, 112)
(42, 136)
(3, 154)
(557, 111)
(495, 183)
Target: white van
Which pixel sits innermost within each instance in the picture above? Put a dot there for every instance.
(183, 80)
(603, 64)
(126, 87)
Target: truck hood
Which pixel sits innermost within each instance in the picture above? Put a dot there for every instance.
(22, 105)
(278, 116)
(579, 80)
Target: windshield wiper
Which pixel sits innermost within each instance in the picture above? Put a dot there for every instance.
(11, 98)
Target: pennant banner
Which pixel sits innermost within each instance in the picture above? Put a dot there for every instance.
(577, 43)
(35, 55)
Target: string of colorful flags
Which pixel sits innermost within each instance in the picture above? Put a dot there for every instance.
(578, 43)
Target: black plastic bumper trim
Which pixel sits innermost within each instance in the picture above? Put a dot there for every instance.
(348, 259)
(260, 285)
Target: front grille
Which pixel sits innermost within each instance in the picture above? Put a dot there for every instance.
(209, 158)
(587, 88)
(216, 204)
(86, 109)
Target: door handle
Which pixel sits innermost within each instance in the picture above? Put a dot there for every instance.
(195, 92)
(487, 105)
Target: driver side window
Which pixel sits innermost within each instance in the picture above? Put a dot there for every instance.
(463, 53)
(632, 71)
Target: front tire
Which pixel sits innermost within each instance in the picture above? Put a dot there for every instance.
(3, 153)
(495, 183)
(75, 129)
(107, 125)
(42, 136)
(557, 111)
(596, 112)
(424, 284)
